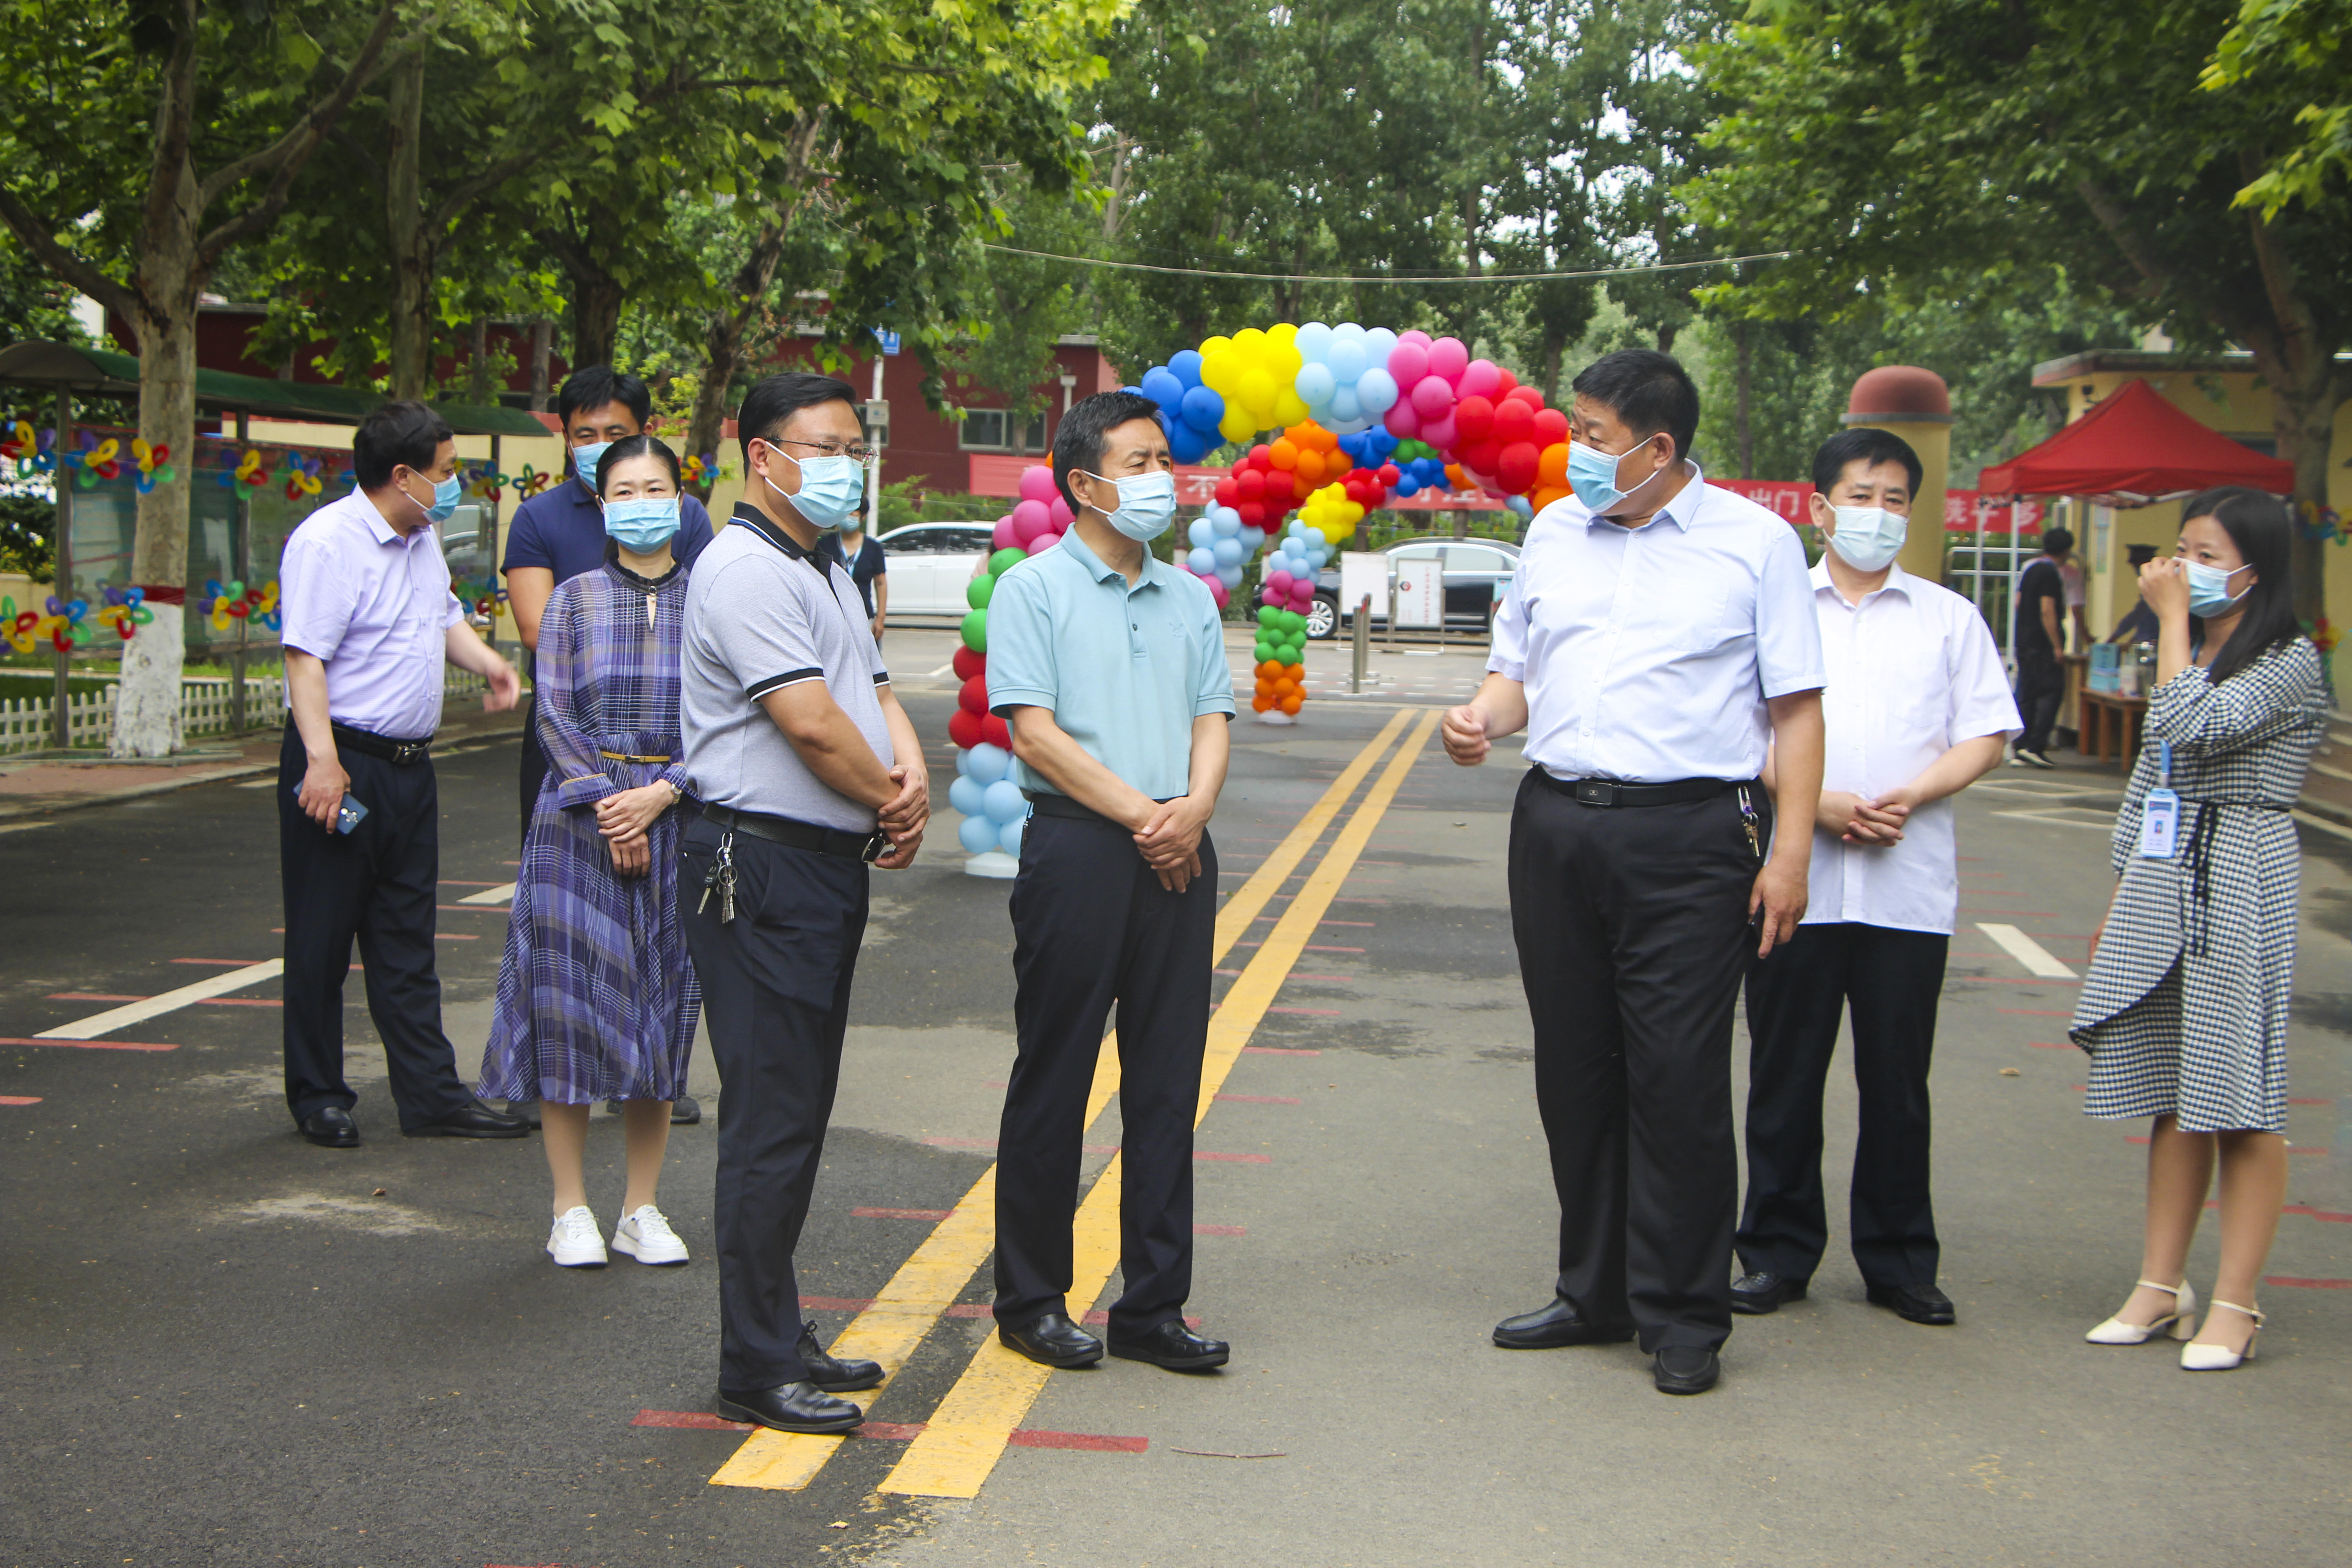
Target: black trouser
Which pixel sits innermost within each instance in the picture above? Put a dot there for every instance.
(1091, 927)
(534, 761)
(1631, 925)
(1795, 999)
(2041, 689)
(775, 995)
(378, 884)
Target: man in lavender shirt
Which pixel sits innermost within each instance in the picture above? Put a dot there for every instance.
(369, 619)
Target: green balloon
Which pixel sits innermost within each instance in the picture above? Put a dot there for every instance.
(1292, 621)
(1265, 651)
(978, 592)
(975, 631)
(1005, 560)
(1268, 616)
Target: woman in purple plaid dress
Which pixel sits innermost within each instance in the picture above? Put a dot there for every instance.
(596, 999)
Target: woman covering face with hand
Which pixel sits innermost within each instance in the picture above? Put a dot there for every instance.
(596, 999)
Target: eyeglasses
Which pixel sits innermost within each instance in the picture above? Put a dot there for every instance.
(857, 451)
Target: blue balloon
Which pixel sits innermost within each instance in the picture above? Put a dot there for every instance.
(1004, 802)
(1345, 407)
(1161, 386)
(1407, 486)
(1379, 343)
(1199, 559)
(1225, 521)
(1315, 558)
(1225, 553)
(1376, 390)
(1202, 532)
(1186, 365)
(1520, 504)
(1203, 408)
(1187, 445)
(1231, 576)
(1315, 540)
(1009, 837)
(965, 794)
(1313, 342)
(963, 763)
(1253, 541)
(1347, 360)
(988, 762)
(977, 835)
(1314, 384)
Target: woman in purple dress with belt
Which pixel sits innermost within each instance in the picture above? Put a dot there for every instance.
(596, 999)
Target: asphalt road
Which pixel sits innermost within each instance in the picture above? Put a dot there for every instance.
(218, 1344)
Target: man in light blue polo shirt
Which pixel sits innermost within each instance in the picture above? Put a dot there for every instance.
(1110, 668)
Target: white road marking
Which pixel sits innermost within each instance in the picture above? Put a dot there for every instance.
(115, 1018)
(503, 894)
(948, 668)
(2036, 958)
(20, 827)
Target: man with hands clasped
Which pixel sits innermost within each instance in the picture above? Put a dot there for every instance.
(1109, 666)
(1916, 709)
(1656, 639)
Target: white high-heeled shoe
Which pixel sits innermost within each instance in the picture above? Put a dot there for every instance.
(2180, 1323)
(2195, 1357)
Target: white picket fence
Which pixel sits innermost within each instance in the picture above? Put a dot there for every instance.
(205, 709)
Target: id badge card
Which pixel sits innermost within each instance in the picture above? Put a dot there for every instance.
(2159, 825)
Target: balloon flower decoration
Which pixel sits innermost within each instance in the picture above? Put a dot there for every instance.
(251, 474)
(29, 450)
(994, 812)
(70, 625)
(96, 459)
(702, 468)
(227, 604)
(154, 465)
(302, 476)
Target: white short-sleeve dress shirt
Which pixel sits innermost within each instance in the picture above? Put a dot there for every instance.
(375, 606)
(1912, 672)
(1648, 653)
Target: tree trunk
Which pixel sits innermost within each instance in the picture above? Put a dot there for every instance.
(405, 233)
(1741, 389)
(596, 300)
(722, 337)
(1553, 348)
(2304, 401)
(147, 703)
(482, 389)
(542, 344)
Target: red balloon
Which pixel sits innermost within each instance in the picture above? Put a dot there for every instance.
(1473, 418)
(1253, 514)
(1261, 457)
(1505, 383)
(1514, 422)
(1515, 468)
(1481, 456)
(1251, 483)
(1527, 394)
(1551, 428)
(996, 732)
(1389, 474)
(973, 697)
(968, 663)
(1229, 492)
(966, 730)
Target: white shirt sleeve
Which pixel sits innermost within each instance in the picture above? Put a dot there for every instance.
(1787, 625)
(1508, 657)
(1978, 692)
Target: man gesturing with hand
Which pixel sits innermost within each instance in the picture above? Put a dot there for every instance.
(1110, 666)
(1658, 641)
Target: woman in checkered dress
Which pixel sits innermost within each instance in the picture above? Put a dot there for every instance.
(2185, 1010)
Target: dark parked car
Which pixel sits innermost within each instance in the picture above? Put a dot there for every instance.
(1473, 569)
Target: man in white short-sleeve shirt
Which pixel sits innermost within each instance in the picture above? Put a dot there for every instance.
(1656, 642)
(1916, 709)
(809, 772)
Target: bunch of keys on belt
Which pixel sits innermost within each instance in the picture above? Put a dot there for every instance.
(1748, 821)
(720, 879)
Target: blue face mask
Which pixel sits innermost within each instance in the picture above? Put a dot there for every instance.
(2208, 590)
(1147, 504)
(831, 488)
(585, 461)
(1593, 475)
(445, 498)
(642, 523)
(1868, 537)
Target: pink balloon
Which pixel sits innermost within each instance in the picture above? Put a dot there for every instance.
(1004, 538)
(1037, 485)
(1031, 518)
(1274, 600)
(1449, 359)
(1415, 336)
(1057, 512)
(1302, 593)
(1432, 398)
(1480, 379)
(1408, 362)
(1440, 432)
(1217, 590)
(1401, 421)
(1278, 581)
(1043, 542)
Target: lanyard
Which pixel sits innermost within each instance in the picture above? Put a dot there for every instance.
(2164, 764)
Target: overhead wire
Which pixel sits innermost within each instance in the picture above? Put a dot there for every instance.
(1401, 282)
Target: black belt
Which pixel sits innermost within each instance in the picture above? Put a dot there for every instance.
(1045, 803)
(1606, 792)
(865, 847)
(367, 741)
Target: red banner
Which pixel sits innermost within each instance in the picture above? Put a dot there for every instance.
(1784, 499)
(1961, 507)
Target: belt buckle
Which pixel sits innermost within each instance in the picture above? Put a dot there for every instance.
(876, 844)
(1595, 791)
(406, 751)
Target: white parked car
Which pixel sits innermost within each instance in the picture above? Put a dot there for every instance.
(929, 564)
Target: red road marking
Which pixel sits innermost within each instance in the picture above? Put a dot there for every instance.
(2311, 1102)
(453, 936)
(836, 1303)
(1260, 1099)
(1221, 1230)
(1334, 979)
(2050, 1044)
(2292, 1283)
(2134, 1138)
(695, 1420)
(20, 1099)
(222, 962)
(900, 1214)
(1366, 924)
(1997, 980)
(1094, 1442)
(92, 1045)
(1309, 1012)
(1277, 1051)
(1235, 1159)
(2305, 1209)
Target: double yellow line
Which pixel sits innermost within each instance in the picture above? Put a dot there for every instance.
(960, 1444)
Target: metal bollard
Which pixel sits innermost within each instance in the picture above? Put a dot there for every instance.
(1363, 641)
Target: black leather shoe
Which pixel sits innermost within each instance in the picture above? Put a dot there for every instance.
(1053, 1340)
(525, 1111)
(1173, 1346)
(1917, 1304)
(1758, 1293)
(830, 1372)
(1684, 1369)
(332, 1127)
(1560, 1322)
(473, 1120)
(686, 1112)
(792, 1407)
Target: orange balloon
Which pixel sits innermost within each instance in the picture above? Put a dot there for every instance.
(1283, 454)
(1293, 702)
(1261, 703)
(1301, 487)
(1551, 467)
(1547, 494)
(1310, 466)
(1323, 440)
(1456, 478)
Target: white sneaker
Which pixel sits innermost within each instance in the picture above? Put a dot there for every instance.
(647, 1238)
(573, 1243)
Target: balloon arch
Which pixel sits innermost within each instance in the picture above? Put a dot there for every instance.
(1358, 414)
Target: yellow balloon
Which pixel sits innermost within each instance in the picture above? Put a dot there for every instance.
(1256, 391)
(1283, 332)
(1236, 425)
(1210, 345)
(1289, 408)
(1221, 371)
(1249, 341)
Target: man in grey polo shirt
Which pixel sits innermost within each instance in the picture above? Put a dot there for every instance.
(809, 772)
(1110, 668)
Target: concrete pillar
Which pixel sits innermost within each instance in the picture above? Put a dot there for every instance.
(1913, 404)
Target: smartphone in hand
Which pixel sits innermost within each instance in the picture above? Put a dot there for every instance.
(349, 817)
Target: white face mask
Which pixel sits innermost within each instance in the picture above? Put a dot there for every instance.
(1147, 503)
(1868, 537)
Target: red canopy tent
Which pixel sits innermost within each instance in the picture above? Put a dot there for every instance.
(2136, 446)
